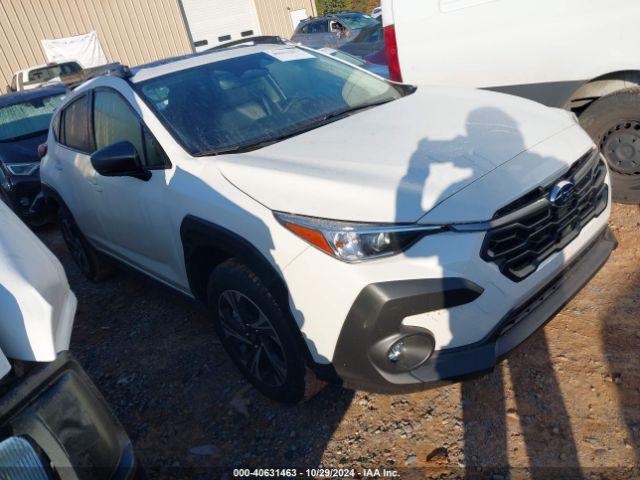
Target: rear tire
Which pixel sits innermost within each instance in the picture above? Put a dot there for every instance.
(256, 333)
(613, 122)
(93, 265)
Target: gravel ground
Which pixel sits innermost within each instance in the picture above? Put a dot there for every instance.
(569, 398)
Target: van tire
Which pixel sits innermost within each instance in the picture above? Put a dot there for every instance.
(613, 122)
(93, 265)
(285, 379)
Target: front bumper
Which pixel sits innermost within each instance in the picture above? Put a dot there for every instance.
(57, 409)
(374, 323)
(27, 200)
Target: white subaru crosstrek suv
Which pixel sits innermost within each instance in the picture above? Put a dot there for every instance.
(339, 226)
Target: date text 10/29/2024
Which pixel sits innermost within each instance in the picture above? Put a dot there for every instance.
(314, 473)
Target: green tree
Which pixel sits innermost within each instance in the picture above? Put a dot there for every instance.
(332, 6)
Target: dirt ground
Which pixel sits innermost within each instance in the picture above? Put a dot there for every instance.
(566, 404)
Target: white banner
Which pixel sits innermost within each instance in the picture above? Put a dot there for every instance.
(85, 49)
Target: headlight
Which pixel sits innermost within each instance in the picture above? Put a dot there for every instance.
(356, 242)
(23, 169)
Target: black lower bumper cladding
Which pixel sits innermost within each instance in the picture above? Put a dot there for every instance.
(29, 191)
(61, 413)
(380, 308)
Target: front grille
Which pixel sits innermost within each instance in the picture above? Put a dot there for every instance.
(531, 229)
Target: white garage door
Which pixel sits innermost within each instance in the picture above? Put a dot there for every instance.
(217, 21)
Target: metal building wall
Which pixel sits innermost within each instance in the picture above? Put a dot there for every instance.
(274, 15)
(130, 31)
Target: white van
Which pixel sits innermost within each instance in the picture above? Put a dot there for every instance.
(580, 55)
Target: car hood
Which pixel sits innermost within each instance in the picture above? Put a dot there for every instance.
(22, 151)
(395, 162)
(35, 300)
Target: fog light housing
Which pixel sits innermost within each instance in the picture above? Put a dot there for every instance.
(24, 201)
(403, 352)
(396, 351)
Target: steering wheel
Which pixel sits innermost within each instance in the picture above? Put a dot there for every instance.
(296, 102)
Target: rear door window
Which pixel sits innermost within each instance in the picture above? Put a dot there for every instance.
(76, 121)
(321, 26)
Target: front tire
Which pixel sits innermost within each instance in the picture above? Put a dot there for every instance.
(256, 333)
(91, 263)
(613, 122)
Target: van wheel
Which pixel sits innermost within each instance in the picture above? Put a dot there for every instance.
(613, 122)
(254, 331)
(91, 263)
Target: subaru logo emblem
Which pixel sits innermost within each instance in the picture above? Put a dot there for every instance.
(561, 193)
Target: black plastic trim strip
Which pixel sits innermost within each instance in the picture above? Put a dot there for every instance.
(377, 314)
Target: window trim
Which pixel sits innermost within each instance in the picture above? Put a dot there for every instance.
(63, 133)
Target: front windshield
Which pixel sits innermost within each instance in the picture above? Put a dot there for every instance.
(257, 98)
(358, 62)
(357, 20)
(26, 119)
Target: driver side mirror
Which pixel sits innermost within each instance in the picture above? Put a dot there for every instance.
(119, 160)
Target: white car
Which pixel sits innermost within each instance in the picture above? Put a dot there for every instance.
(45, 75)
(53, 420)
(370, 233)
(550, 51)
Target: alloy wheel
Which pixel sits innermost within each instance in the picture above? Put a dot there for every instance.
(252, 337)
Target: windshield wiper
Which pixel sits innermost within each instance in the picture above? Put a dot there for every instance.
(250, 147)
(347, 111)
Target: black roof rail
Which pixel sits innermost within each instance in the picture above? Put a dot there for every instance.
(110, 69)
(115, 69)
(257, 40)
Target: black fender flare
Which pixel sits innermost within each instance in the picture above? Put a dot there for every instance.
(197, 233)
(51, 193)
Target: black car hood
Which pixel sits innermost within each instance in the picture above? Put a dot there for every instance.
(22, 151)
